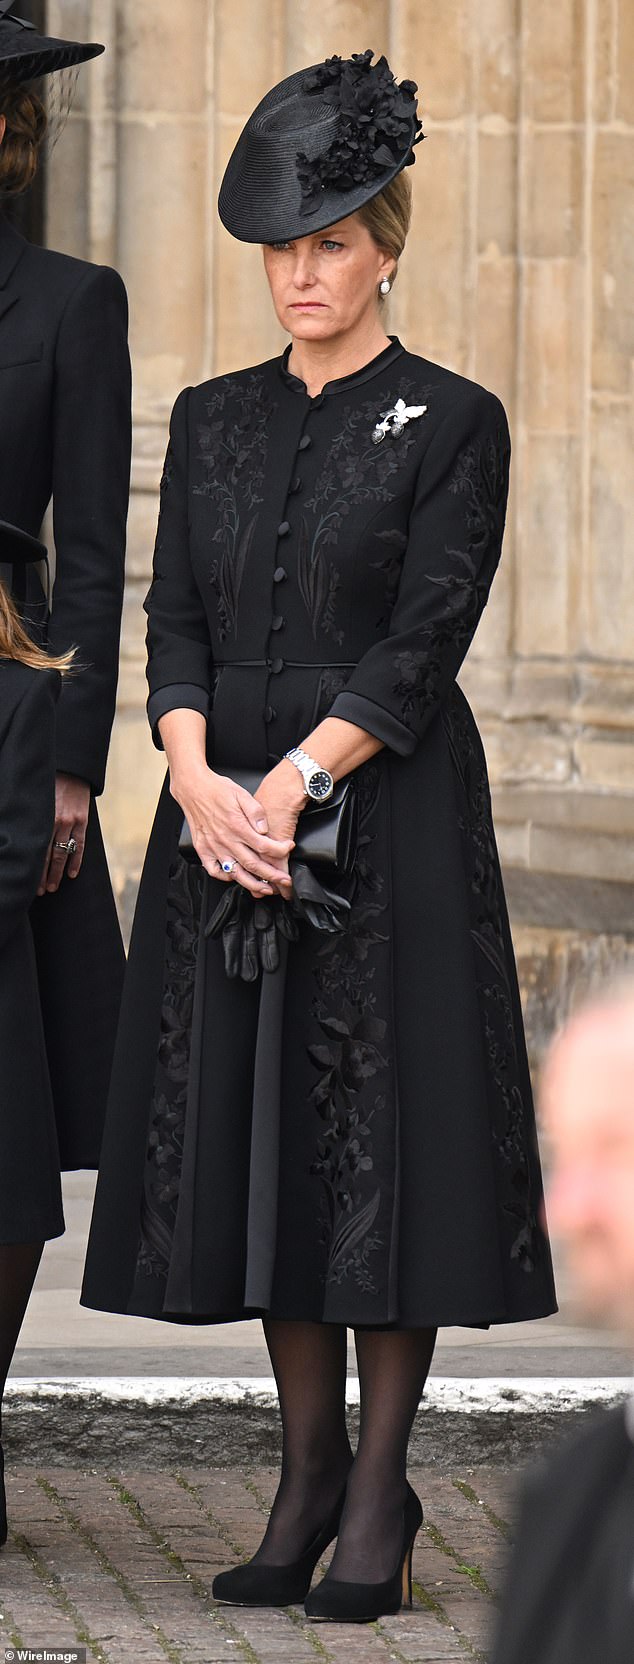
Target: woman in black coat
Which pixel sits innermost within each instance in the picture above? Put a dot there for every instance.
(65, 434)
(30, 1190)
(347, 1139)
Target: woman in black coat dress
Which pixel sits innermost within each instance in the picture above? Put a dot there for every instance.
(30, 1190)
(347, 1139)
(65, 435)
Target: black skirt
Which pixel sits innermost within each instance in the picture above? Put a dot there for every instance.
(351, 1137)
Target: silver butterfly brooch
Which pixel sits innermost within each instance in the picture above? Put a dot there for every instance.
(393, 421)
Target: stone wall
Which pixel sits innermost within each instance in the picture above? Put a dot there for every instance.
(519, 272)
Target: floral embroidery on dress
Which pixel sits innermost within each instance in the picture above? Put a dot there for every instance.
(391, 565)
(479, 476)
(509, 1118)
(332, 681)
(354, 471)
(169, 1096)
(232, 447)
(350, 1059)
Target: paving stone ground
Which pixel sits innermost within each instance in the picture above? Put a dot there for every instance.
(122, 1564)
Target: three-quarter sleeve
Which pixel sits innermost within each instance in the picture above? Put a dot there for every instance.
(178, 644)
(453, 548)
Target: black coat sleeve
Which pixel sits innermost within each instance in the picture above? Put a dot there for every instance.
(453, 548)
(178, 645)
(91, 482)
(27, 797)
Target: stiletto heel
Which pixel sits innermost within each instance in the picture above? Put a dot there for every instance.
(362, 1603)
(407, 1577)
(262, 1585)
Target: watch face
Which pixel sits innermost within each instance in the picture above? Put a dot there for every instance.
(320, 783)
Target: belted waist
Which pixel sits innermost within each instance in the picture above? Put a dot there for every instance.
(296, 664)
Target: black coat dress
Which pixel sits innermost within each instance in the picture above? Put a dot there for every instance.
(570, 1589)
(65, 433)
(30, 1191)
(350, 1138)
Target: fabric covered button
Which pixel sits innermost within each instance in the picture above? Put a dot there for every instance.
(276, 665)
(269, 713)
(304, 442)
(284, 528)
(278, 621)
(296, 485)
(279, 573)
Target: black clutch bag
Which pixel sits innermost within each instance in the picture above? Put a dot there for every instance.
(326, 834)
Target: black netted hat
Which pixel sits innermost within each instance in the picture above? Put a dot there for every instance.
(18, 548)
(25, 55)
(319, 145)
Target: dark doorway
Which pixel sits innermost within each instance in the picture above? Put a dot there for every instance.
(27, 212)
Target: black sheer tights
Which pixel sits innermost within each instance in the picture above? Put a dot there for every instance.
(309, 1364)
(393, 1366)
(19, 1262)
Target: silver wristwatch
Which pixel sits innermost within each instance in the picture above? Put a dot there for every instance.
(318, 781)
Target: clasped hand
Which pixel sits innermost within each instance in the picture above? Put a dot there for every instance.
(257, 832)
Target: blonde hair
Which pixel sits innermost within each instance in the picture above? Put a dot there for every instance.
(16, 643)
(387, 216)
(26, 125)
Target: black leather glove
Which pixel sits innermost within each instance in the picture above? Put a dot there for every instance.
(250, 925)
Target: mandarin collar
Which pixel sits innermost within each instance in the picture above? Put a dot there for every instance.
(340, 384)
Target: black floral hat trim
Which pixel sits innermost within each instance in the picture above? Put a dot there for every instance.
(374, 127)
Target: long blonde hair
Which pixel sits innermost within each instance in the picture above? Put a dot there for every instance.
(16, 643)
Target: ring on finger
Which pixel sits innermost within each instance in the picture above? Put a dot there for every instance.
(228, 865)
(70, 847)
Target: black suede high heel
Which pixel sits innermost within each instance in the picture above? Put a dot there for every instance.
(3, 1501)
(362, 1603)
(262, 1585)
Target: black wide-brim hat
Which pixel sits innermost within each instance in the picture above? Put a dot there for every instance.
(25, 55)
(317, 147)
(18, 548)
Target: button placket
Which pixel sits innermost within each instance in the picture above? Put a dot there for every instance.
(278, 620)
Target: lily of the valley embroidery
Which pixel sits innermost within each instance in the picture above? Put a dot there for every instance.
(393, 421)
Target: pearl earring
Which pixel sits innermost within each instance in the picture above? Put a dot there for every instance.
(385, 286)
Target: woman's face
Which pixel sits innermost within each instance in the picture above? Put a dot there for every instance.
(324, 283)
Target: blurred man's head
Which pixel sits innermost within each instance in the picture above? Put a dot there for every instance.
(588, 1108)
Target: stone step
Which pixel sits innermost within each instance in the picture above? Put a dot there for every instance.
(225, 1421)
